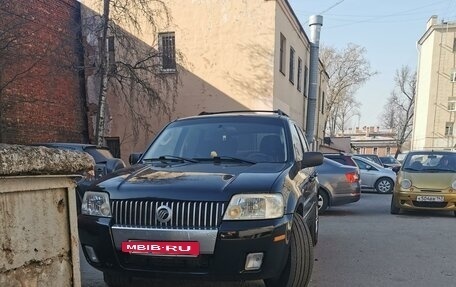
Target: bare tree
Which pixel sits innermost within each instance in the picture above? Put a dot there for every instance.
(348, 70)
(134, 74)
(398, 111)
(347, 109)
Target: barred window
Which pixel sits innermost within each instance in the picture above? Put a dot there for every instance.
(167, 49)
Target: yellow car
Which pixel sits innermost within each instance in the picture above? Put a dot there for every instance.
(426, 181)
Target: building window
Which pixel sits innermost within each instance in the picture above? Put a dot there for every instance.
(283, 45)
(454, 45)
(451, 106)
(167, 49)
(304, 85)
(292, 55)
(323, 102)
(449, 128)
(375, 150)
(453, 76)
(113, 144)
(298, 84)
(388, 150)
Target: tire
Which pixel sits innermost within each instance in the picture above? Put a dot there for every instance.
(384, 185)
(298, 268)
(323, 201)
(315, 226)
(116, 279)
(393, 208)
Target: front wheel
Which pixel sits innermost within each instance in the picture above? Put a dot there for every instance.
(323, 201)
(394, 209)
(315, 226)
(384, 185)
(298, 268)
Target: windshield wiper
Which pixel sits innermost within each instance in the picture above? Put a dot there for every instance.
(166, 158)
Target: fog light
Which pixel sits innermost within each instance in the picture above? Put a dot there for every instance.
(254, 261)
(91, 253)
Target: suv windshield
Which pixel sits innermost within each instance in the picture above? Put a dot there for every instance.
(256, 140)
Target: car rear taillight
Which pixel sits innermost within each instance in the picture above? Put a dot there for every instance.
(352, 177)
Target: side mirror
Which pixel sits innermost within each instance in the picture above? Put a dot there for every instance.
(100, 170)
(396, 169)
(368, 167)
(311, 159)
(134, 158)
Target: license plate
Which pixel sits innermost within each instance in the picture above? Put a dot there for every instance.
(172, 248)
(430, 198)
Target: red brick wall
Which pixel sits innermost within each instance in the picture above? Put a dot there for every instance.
(46, 100)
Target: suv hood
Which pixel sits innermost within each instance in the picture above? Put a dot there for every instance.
(202, 181)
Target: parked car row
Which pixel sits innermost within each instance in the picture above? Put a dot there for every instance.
(236, 196)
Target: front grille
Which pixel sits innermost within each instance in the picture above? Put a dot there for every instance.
(429, 204)
(163, 263)
(185, 214)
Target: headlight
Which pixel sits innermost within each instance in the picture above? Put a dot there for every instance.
(406, 184)
(453, 185)
(96, 204)
(255, 206)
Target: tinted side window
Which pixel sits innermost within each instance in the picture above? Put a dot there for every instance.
(303, 139)
(297, 146)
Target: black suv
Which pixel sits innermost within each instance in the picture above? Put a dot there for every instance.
(227, 196)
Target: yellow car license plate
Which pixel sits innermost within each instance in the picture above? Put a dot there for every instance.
(431, 198)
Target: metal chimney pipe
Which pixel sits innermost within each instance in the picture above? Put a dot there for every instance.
(315, 23)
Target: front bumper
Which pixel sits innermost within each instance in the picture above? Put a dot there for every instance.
(409, 200)
(222, 256)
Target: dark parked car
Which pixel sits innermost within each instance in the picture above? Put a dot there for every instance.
(341, 158)
(229, 196)
(338, 184)
(105, 163)
(389, 161)
(372, 157)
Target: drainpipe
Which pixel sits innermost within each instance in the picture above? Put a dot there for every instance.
(315, 23)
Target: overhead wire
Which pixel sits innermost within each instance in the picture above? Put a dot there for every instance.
(370, 18)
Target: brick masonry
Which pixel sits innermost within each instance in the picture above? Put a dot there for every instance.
(46, 100)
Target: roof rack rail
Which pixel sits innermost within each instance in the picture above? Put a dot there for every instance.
(278, 111)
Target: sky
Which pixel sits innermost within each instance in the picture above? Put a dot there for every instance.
(388, 29)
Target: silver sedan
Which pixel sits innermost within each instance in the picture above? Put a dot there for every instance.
(375, 177)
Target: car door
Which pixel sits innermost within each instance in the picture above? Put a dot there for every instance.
(307, 180)
(368, 173)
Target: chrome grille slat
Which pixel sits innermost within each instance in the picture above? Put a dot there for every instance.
(185, 214)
